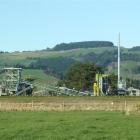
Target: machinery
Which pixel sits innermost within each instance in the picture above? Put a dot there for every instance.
(13, 85)
(101, 86)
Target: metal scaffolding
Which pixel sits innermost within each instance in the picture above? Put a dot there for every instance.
(13, 84)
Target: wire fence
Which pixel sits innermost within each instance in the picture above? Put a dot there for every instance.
(127, 106)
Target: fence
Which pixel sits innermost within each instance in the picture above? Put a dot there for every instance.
(128, 106)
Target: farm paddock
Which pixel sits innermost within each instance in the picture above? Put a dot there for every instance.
(30, 118)
(72, 125)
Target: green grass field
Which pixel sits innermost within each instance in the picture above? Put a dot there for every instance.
(39, 76)
(80, 125)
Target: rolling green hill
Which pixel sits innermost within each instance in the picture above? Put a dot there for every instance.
(39, 64)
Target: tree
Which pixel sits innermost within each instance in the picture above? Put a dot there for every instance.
(112, 83)
(81, 76)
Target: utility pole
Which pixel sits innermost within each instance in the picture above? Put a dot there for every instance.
(119, 61)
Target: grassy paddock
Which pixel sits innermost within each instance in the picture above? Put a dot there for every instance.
(39, 77)
(73, 125)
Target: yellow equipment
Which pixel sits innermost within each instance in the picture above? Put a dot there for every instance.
(96, 89)
(100, 86)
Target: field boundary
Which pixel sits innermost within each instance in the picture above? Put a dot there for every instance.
(128, 106)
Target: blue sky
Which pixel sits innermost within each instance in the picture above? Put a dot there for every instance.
(38, 24)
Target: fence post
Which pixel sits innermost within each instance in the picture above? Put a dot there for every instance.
(32, 104)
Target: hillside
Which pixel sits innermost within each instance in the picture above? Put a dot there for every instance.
(56, 63)
(38, 76)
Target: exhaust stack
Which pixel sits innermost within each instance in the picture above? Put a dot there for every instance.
(119, 61)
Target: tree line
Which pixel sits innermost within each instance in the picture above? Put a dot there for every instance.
(86, 44)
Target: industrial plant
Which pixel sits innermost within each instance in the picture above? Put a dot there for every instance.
(12, 83)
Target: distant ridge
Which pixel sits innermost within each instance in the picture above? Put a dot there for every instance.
(136, 48)
(85, 44)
